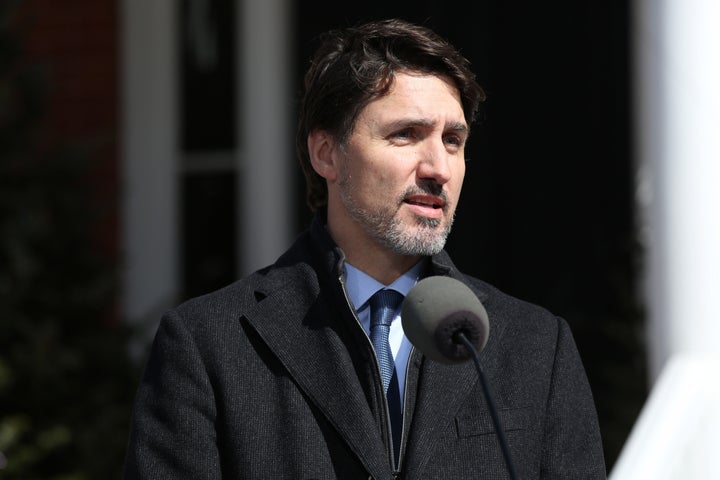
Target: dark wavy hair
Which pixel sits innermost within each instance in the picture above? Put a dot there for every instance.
(353, 66)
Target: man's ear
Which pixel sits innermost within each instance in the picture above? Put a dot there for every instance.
(323, 150)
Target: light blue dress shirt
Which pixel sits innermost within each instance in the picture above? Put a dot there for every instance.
(360, 287)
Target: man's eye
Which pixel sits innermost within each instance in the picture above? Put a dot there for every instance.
(403, 134)
(453, 140)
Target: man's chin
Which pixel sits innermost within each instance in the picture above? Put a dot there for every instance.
(423, 222)
(420, 241)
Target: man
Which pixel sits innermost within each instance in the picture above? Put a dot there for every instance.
(284, 374)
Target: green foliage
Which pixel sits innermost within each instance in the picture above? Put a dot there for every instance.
(66, 383)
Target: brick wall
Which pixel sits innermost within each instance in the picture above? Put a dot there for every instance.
(76, 41)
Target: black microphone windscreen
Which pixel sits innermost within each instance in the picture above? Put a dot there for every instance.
(438, 308)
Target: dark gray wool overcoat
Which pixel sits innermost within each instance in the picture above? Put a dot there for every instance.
(273, 377)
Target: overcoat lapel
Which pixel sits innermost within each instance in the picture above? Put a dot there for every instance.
(435, 408)
(299, 331)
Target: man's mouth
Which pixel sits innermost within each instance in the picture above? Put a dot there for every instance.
(426, 201)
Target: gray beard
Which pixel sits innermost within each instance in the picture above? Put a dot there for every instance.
(429, 240)
(388, 231)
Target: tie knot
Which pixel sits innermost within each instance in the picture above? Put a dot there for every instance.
(383, 304)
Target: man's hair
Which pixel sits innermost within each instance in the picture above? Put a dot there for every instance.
(354, 66)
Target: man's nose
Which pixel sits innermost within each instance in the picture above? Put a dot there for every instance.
(434, 161)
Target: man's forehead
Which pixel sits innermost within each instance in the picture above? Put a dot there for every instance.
(420, 100)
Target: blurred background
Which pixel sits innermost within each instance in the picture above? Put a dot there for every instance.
(140, 141)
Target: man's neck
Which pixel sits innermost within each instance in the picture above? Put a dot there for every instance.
(383, 268)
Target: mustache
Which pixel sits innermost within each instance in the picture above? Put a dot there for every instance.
(427, 187)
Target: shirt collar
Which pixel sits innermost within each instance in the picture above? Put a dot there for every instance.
(361, 286)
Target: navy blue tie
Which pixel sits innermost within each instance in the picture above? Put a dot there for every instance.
(383, 305)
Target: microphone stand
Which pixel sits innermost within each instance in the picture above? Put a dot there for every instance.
(491, 405)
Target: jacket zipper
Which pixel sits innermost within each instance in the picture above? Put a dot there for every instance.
(388, 432)
(396, 470)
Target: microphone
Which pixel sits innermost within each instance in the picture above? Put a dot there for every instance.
(445, 320)
(436, 310)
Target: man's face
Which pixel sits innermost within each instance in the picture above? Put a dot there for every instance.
(400, 173)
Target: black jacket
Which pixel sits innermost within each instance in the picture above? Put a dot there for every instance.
(273, 377)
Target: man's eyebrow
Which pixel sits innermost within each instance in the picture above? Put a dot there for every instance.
(425, 123)
(459, 127)
(409, 122)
